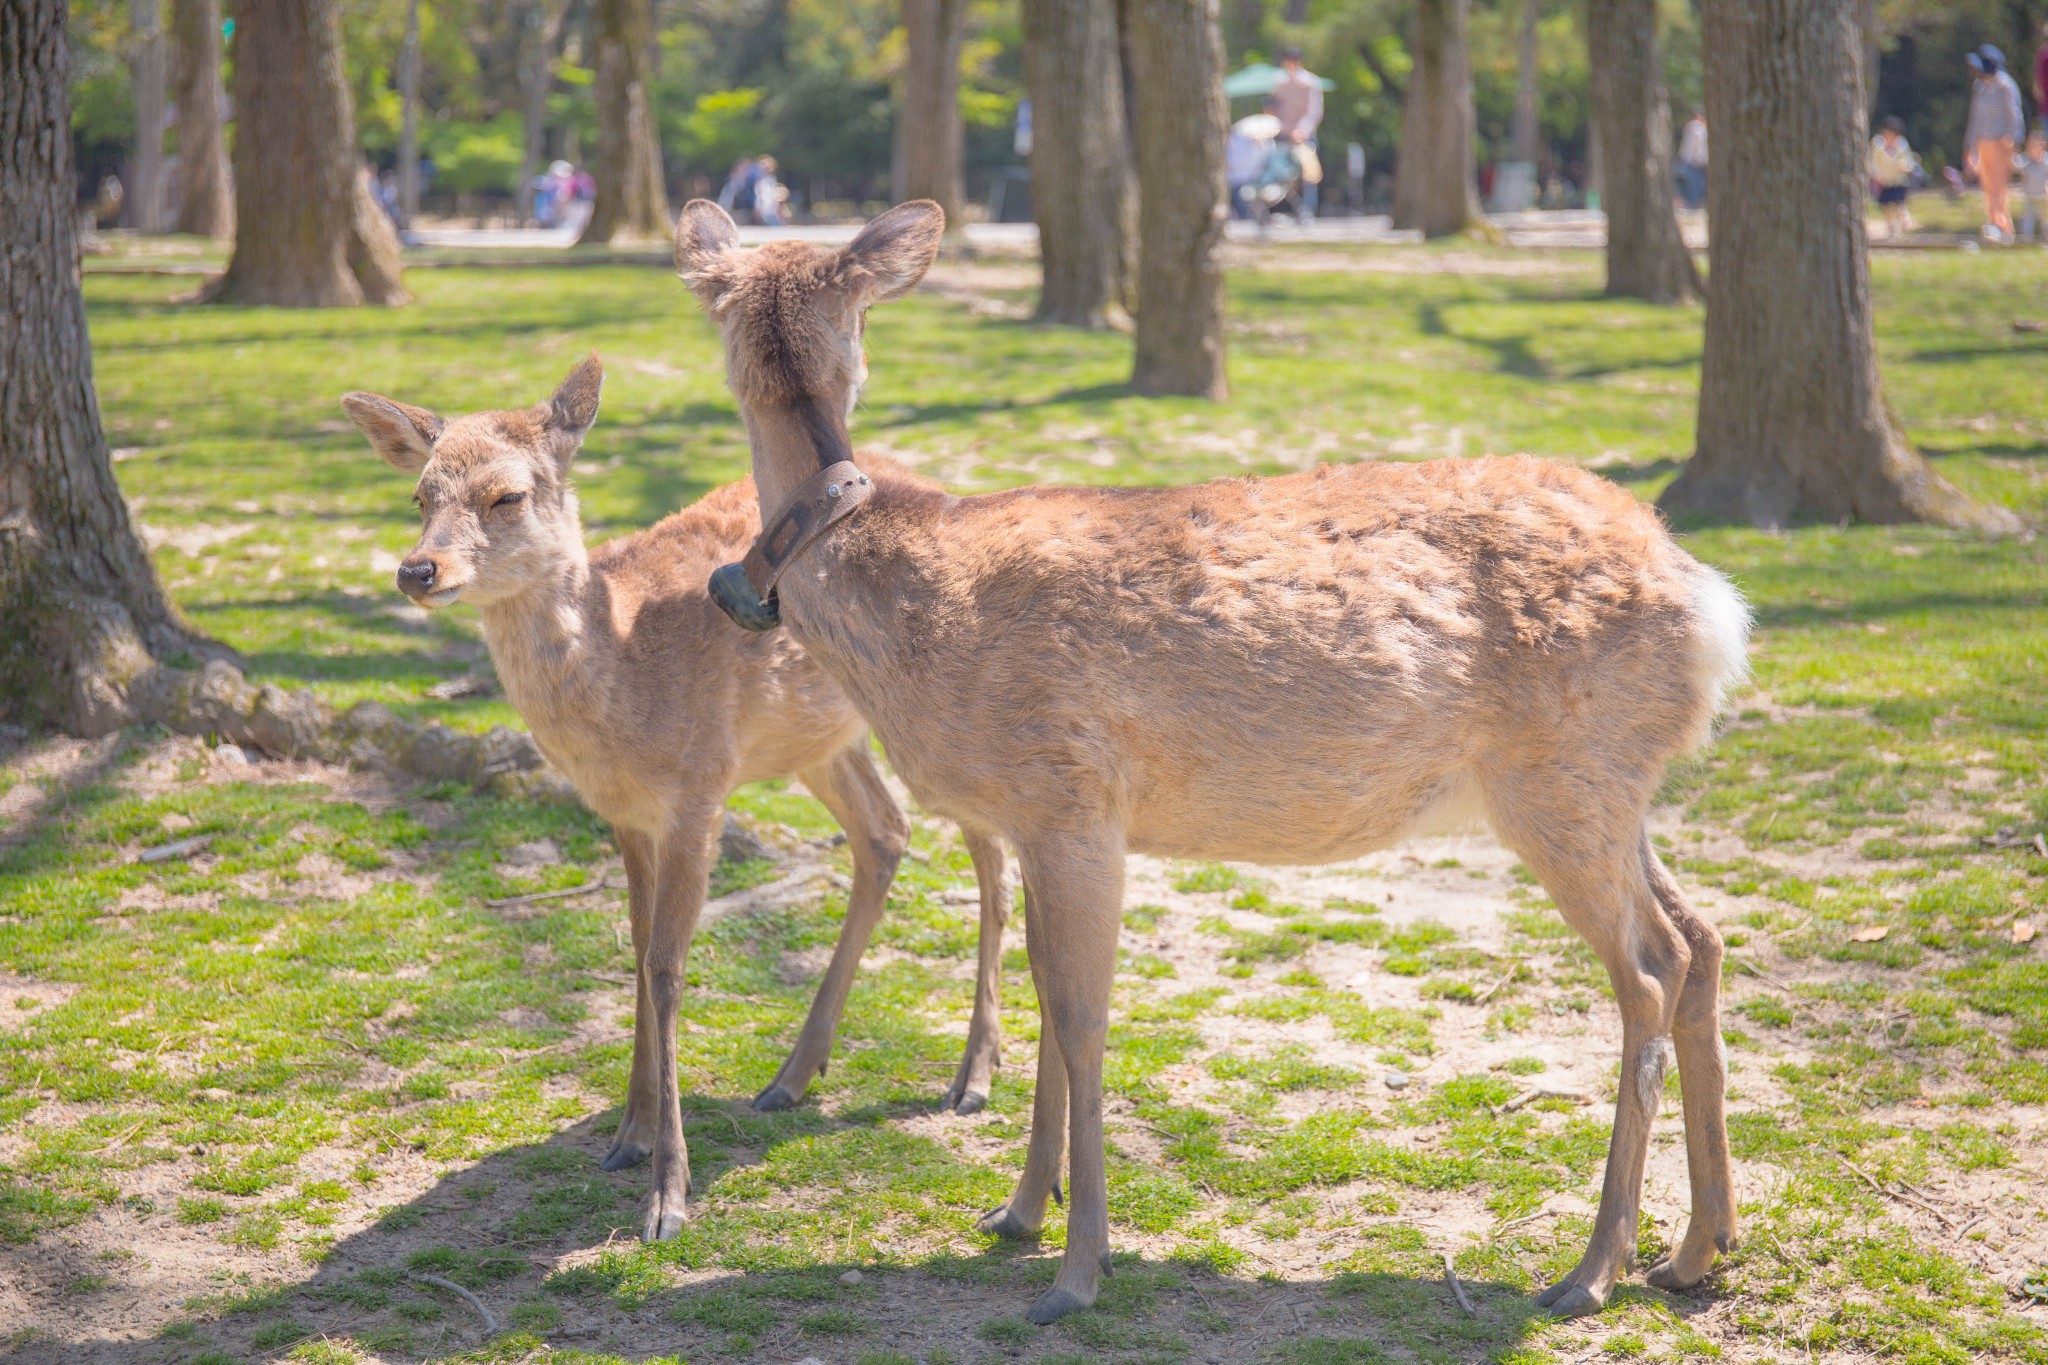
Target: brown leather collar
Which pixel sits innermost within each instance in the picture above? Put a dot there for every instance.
(746, 591)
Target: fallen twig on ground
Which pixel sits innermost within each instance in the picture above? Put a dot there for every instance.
(1544, 1092)
(182, 848)
(1487, 994)
(1525, 1219)
(503, 902)
(1457, 1288)
(1759, 973)
(490, 1323)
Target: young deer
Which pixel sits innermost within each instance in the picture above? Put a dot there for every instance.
(655, 707)
(1288, 670)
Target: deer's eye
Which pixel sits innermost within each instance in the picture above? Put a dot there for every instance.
(509, 500)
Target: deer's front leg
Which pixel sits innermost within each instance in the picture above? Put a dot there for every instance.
(682, 879)
(635, 1137)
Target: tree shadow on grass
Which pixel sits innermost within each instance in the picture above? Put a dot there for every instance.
(545, 1242)
(916, 414)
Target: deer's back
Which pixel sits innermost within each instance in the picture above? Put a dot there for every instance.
(1355, 641)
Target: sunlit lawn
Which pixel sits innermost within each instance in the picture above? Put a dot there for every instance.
(266, 1008)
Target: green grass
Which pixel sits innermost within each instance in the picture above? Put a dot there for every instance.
(322, 1002)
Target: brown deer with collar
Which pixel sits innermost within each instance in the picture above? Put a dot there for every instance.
(656, 707)
(1289, 670)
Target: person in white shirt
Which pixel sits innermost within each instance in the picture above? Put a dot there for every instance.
(1244, 156)
(1298, 104)
(1892, 164)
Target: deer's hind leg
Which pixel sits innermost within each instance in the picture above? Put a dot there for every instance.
(1075, 882)
(983, 1054)
(877, 833)
(1019, 1217)
(1703, 1078)
(1582, 836)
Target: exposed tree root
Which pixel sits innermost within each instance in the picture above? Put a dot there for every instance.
(97, 674)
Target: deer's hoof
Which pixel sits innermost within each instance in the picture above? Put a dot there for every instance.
(1001, 1222)
(1569, 1300)
(666, 1211)
(622, 1155)
(1667, 1276)
(774, 1100)
(1055, 1304)
(961, 1100)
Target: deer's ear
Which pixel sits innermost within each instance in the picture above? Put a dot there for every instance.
(892, 253)
(401, 433)
(573, 409)
(705, 235)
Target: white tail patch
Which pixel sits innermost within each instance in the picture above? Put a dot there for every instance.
(1722, 638)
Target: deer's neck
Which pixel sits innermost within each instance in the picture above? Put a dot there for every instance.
(791, 441)
(541, 639)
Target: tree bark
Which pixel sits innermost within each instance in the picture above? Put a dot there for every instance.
(92, 642)
(1646, 257)
(206, 196)
(85, 614)
(409, 118)
(309, 234)
(1177, 58)
(1081, 189)
(1793, 422)
(1525, 136)
(1441, 193)
(632, 202)
(147, 72)
(931, 124)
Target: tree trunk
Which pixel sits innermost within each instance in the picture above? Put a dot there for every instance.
(1526, 133)
(1177, 58)
(409, 118)
(1441, 194)
(931, 127)
(309, 234)
(539, 35)
(631, 203)
(1793, 422)
(84, 611)
(206, 195)
(147, 73)
(1646, 258)
(1080, 160)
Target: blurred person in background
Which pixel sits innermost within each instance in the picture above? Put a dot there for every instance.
(1692, 161)
(1992, 137)
(1298, 104)
(769, 195)
(2033, 165)
(1245, 153)
(1892, 164)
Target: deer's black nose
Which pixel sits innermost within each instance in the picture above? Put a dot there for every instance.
(416, 573)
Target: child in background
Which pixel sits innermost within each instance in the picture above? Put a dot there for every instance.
(1891, 167)
(2033, 168)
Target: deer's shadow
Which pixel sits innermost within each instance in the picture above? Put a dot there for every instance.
(546, 1243)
